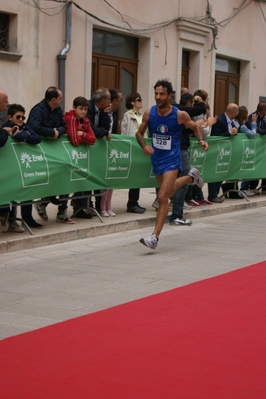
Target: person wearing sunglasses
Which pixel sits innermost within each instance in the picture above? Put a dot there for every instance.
(18, 128)
(129, 124)
(19, 131)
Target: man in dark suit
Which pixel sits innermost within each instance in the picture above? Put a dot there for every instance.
(99, 118)
(116, 101)
(223, 127)
(100, 123)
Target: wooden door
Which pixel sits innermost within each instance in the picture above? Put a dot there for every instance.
(116, 73)
(226, 91)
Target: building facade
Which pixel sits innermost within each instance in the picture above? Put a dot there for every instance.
(81, 45)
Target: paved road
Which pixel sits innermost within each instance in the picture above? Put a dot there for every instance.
(42, 286)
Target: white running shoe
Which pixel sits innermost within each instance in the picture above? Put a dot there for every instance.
(15, 227)
(105, 214)
(183, 222)
(194, 173)
(150, 242)
(111, 213)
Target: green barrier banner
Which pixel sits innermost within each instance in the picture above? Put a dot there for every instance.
(56, 167)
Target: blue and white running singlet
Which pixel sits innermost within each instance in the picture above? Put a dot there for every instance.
(165, 134)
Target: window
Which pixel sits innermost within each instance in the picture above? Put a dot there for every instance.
(114, 44)
(9, 37)
(4, 32)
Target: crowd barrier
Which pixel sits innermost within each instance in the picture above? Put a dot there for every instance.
(56, 167)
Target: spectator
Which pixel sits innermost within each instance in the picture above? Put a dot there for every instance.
(205, 122)
(46, 118)
(79, 131)
(260, 116)
(116, 101)
(186, 104)
(223, 127)
(130, 123)
(100, 123)
(230, 188)
(7, 215)
(19, 131)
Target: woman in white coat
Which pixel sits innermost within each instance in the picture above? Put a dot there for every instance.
(129, 125)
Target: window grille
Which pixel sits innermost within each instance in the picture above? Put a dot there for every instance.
(4, 29)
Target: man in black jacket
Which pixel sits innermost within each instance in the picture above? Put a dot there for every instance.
(47, 119)
(223, 127)
(100, 123)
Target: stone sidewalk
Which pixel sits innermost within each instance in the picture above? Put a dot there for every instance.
(53, 232)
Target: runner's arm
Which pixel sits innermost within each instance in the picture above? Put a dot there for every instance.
(184, 119)
(147, 149)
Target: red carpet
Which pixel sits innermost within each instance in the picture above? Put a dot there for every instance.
(206, 340)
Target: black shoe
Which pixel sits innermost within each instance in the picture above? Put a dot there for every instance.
(32, 223)
(136, 209)
(81, 214)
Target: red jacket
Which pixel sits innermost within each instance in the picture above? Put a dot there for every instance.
(73, 125)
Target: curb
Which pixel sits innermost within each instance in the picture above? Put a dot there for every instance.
(72, 233)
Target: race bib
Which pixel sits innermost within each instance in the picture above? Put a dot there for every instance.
(162, 142)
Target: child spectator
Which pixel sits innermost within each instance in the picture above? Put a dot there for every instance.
(19, 131)
(79, 131)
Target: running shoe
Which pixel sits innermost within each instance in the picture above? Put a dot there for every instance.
(150, 242)
(204, 202)
(41, 210)
(193, 203)
(194, 173)
(15, 227)
(183, 222)
(63, 218)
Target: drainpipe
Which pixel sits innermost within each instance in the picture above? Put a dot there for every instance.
(62, 56)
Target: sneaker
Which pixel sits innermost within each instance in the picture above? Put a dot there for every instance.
(204, 202)
(155, 204)
(41, 210)
(183, 222)
(63, 218)
(194, 173)
(4, 222)
(217, 200)
(150, 242)
(248, 193)
(105, 214)
(111, 213)
(255, 191)
(16, 228)
(193, 203)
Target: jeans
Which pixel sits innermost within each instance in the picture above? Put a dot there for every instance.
(179, 196)
(214, 189)
(249, 185)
